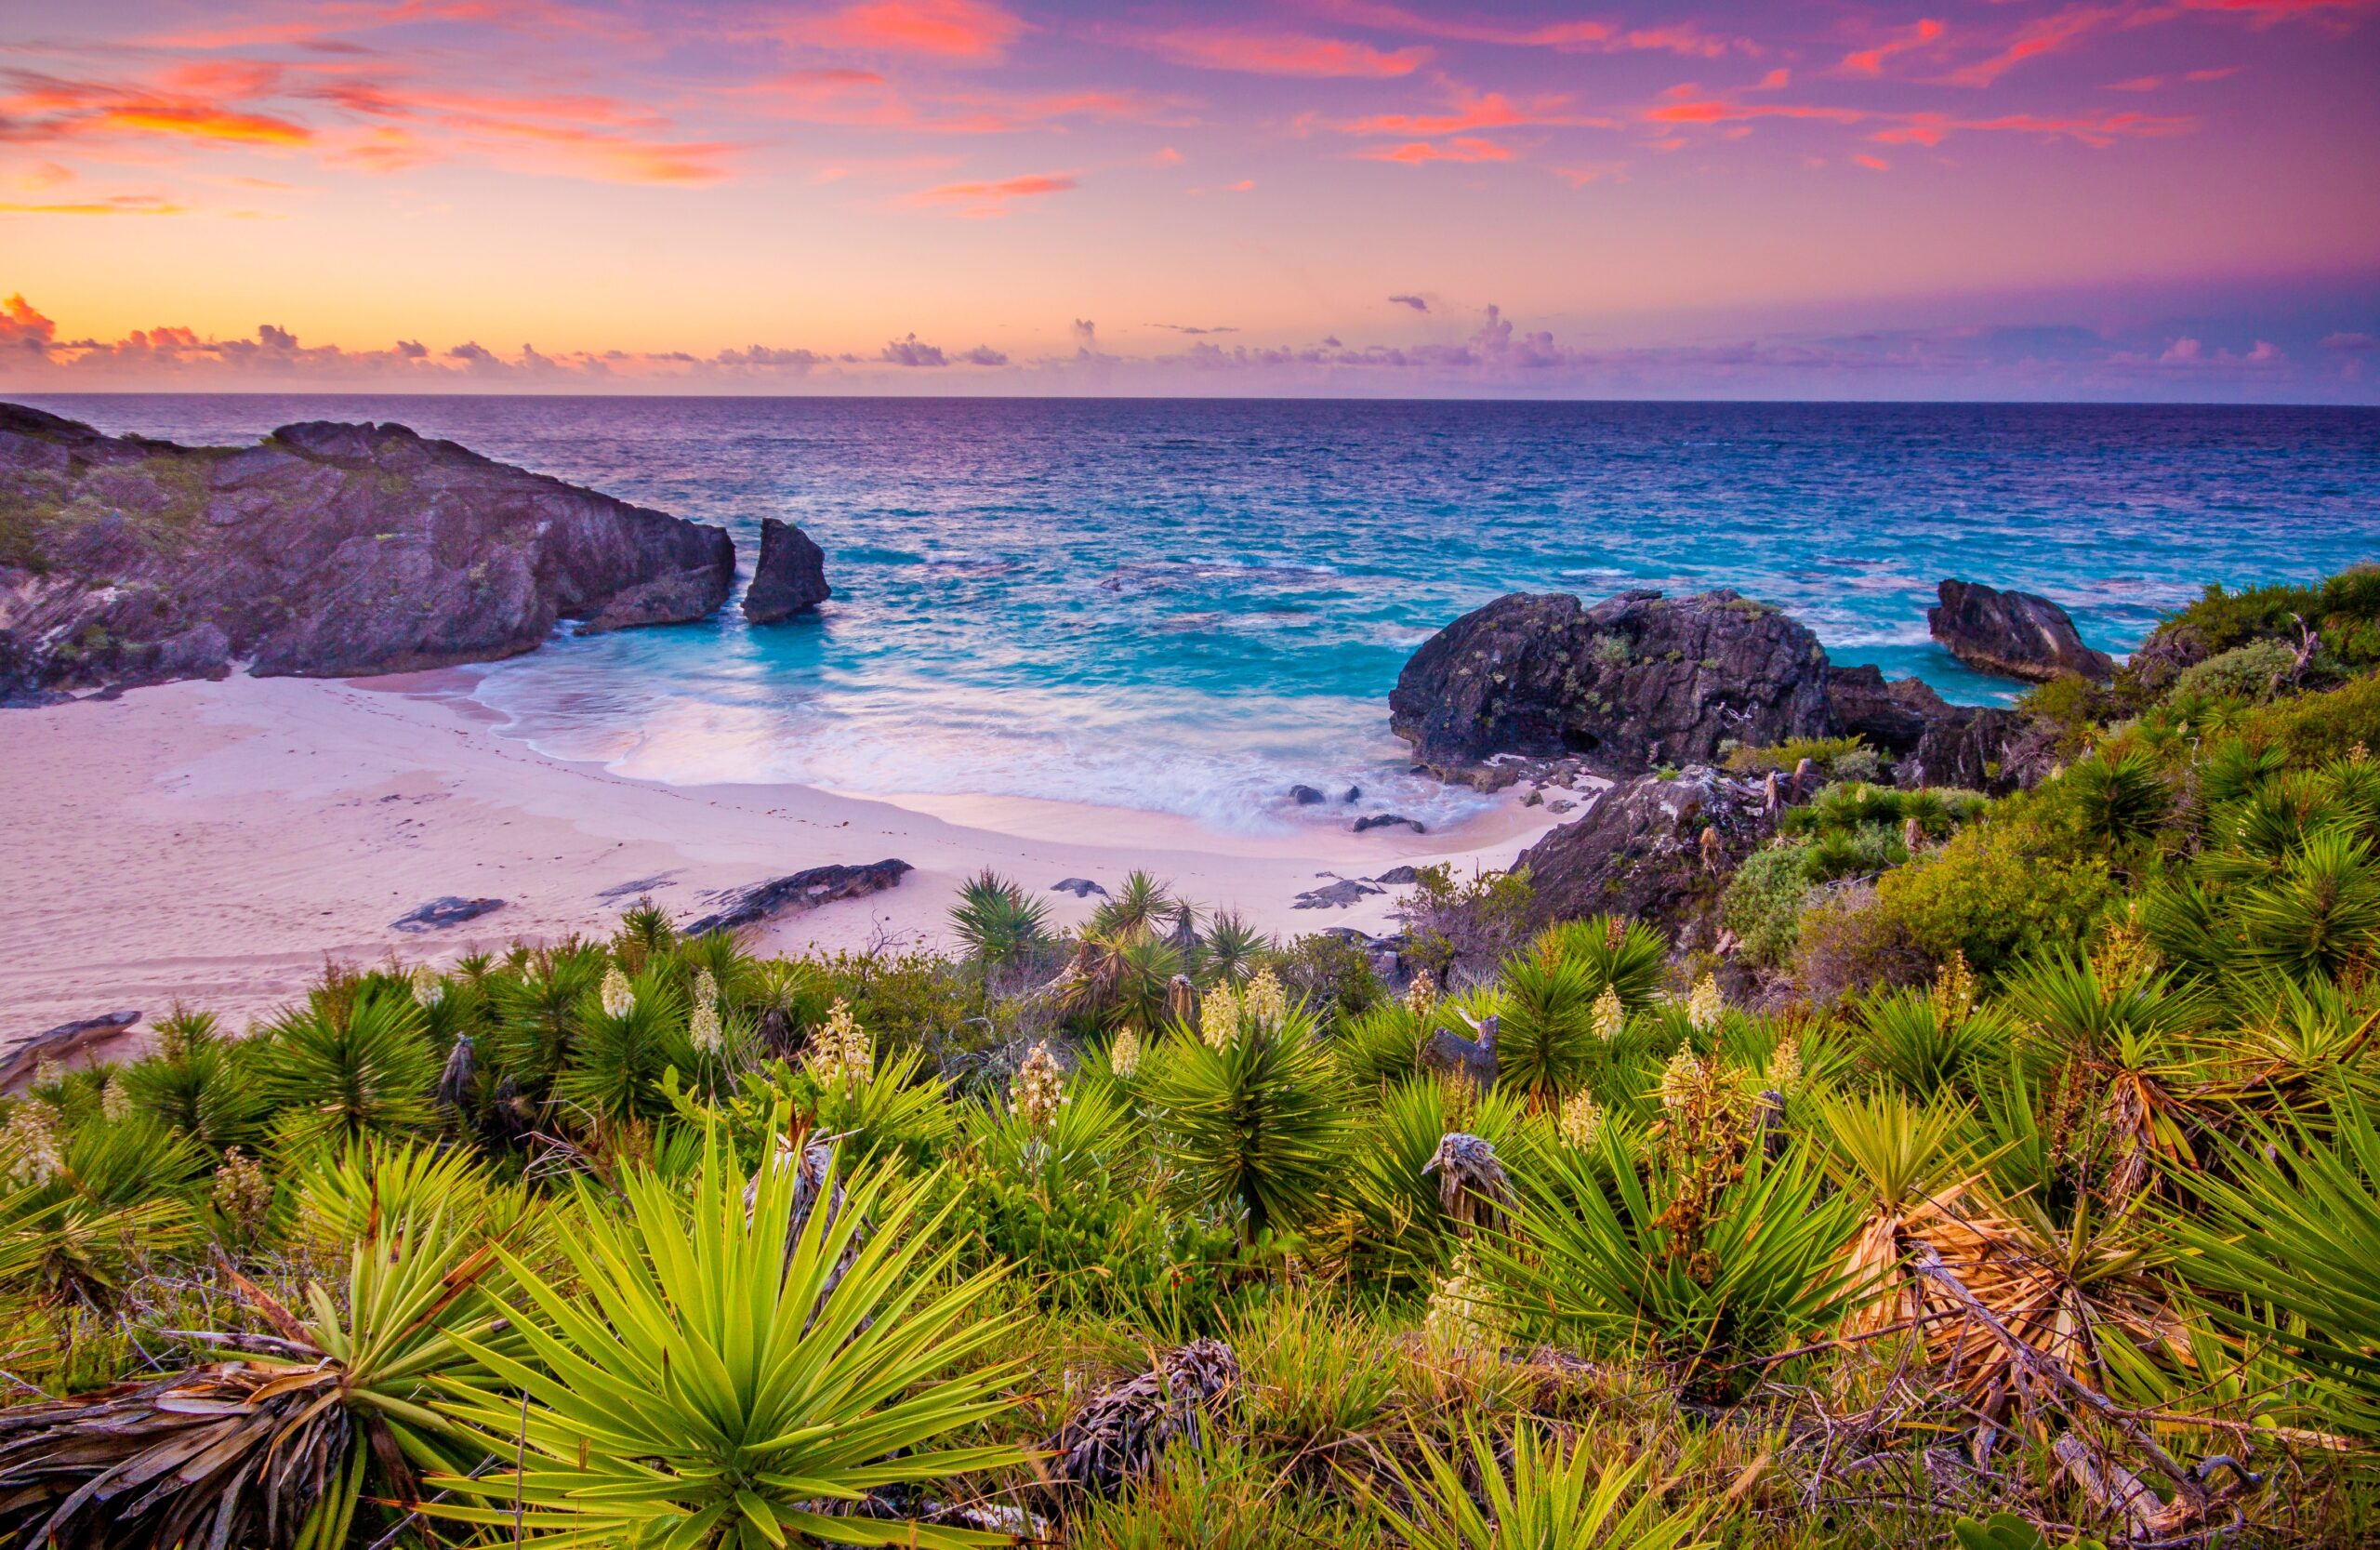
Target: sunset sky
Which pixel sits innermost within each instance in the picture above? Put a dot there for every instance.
(2110, 199)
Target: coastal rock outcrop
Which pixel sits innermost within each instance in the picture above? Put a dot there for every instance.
(1893, 715)
(1638, 680)
(450, 909)
(1640, 851)
(798, 892)
(326, 550)
(2013, 635)
(790, 576)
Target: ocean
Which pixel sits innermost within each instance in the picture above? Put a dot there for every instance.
(1190, 605)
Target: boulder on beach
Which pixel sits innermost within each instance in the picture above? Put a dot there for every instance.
(326, 550)
(790, 577)
(798, 893)
(1638, 680)
(2012, 634)
(452, 909)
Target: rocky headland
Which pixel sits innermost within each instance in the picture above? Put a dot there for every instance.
(326, 550)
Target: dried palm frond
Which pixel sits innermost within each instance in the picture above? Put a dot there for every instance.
(1120, 1433)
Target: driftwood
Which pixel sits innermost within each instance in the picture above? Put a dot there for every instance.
(60, 1042)
(1472, 1185)
(1120, 1433)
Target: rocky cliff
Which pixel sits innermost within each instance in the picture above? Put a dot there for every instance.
(324, 549)
(1638, 680)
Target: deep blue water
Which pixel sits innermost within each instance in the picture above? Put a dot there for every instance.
(1189, 605)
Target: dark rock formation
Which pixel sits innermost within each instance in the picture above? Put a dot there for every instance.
(1981, 748)
(60, 1041)
(1892, 715)
(1307, 796)
(1449, 1054)
(1398, 876)
(1337, 895)
(1639, 850)
(1637, 680)
(1385, 820)
(790, 577)
(802, 892)
(1080, 887)
(450, 910)
(2014, 634)
(326, 550)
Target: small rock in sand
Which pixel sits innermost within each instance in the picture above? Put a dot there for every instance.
(450, 910)
(1396, 875)
(801, 890)
(1339, 896)
(1080, 887)
(1383, 820)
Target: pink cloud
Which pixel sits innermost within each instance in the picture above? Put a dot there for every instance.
(1871, 60)
(971, 30)
(1287, 54)
(1582, 36)
(1462, 148)
(993, 198)
(2035, 39)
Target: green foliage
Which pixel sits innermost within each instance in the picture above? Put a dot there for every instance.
(2257, 672)
(1541, 1494)
(1835, 758)
(201, 1084)
(2344, 609)
(1401, 1227)
(1332, 974)
(352, 1062)
(2119, 800)
(998, 921)
(1546, 1041)
(1252, 1128)
(719, 1377)
(1997, 893)
(1626, 957)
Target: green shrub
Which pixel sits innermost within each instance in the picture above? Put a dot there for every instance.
(1764, 902)
(2313, 728)
(2255, 672)
(1836, 757)
(1997, 893)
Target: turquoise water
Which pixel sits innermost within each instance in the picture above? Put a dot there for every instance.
(1189, 606)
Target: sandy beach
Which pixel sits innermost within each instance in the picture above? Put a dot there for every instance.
(216, 843)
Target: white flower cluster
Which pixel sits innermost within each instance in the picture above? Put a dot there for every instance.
(1219, 1017)
(1705, 1006)
(29, 1144)
(1266, 1000)
(1462, 1315)
(115, 1103)
(1581, 1122)
(1039, 1088)
(703, 1027)
(1610, 1016)
(619, 999)
(1124, 1052)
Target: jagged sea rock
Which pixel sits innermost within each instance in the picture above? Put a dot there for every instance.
(1638, 851)
(1638, 680)
(790, 576)
(327, 550)
(2013, 635)
(1893, 715)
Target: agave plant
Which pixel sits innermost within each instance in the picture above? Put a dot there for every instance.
(998, 923)
(2286, 1247)
(2120, 799)
(344, 1067)
(282, 1448)
(1253, 1124)
(1401, 1226)
(1542, 1494)
(1616, 954)
(710, 1377)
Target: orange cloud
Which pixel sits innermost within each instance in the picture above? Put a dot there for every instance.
(1871, 60)
(968, 30)
(121, 205)
(993, 198)
(201, 123)
(1287, 54)
(1462, 148)
(1473, 110)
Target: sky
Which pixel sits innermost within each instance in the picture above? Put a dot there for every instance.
(2132, 200)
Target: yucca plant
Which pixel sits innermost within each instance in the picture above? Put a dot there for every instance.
(1616, 954)
(1231, 950)
(1927, 1046)
(349, 1197)
(342, 1069)
(2286, 1242)
(1546, 1041)
(1602, 1256)
(996, 920)
(1254, 1127)
(1401, 1228)
(1542, 1494)
(1907, 1166)
(619, 1051)
(2119, 800)
(2320, 916)
(705, 1376)
(203, 1085)
(282, 1448)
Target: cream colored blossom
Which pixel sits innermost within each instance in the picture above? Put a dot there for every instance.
(840, 1051)
(1039, 1088)
(427, 988)
(1463, 1315)
(1421, 996)
(242, 1193)
(1264, 1000)
(115, 1103)
(1581, 1122)
(28, 1143)
(705, 988)
(1705, 1006)
(1785, 1066)
(1610, 1016)
(1219, 1017)
(1680, 1078)
(619, 999)
(703, 1029)
(1124, 1054)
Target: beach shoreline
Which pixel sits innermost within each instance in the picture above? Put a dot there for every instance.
(215, 843)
